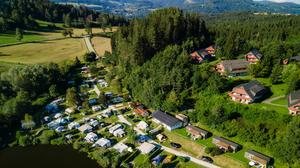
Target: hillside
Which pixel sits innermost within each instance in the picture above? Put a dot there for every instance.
(132, 8)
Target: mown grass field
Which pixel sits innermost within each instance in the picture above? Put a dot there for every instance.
(43, 52)
(281, 101)
(101, 44)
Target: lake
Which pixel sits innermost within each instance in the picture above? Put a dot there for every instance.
(45, 156)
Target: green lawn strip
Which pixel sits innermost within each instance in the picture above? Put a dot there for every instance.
(280, 101)
(281, 110)
(176, 161)
(4, 66)
(10, 37)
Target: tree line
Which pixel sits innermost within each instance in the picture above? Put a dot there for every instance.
(26, 89)
(24, 13)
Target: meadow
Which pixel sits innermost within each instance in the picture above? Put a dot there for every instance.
(101, 44)
(43, 52)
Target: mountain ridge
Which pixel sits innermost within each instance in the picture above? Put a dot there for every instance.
(136, 8)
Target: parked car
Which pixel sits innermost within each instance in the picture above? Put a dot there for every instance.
(207, 159)
(136, 120)
(175, 145)
(169, 159)
(157, 160)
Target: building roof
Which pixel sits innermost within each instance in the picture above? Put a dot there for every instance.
(114, 128)
(235, 145)
(235, 65)
(85, 127)
(194, 129)
(102, 142)
(259, 155)
(146, 147)
(295, 58)
(142, 125)
(294, 98)
(253, 88)
(120, 147)
(165, 118)
(256, 53)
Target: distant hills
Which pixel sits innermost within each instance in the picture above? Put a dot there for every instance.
(136, 8)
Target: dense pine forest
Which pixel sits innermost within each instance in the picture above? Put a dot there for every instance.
(152, 61)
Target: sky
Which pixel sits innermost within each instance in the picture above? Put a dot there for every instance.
(295, 1)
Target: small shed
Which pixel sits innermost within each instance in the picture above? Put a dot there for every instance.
(146, 148)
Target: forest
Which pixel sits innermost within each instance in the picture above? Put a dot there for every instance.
(25, 13)
(152, 62)
(25, 90)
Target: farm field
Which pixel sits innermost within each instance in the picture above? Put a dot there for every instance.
(43, 52)
(80, 32)
(29, 36)
(101, 44)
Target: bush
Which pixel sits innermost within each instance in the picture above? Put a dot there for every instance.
(47, 136)
(213, 151)
(90, 57)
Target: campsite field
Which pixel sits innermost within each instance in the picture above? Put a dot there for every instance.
(43, 52)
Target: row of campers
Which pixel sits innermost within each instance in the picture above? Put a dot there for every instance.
(256, 159)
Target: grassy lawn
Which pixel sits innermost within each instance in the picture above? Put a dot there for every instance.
(281, 101)
(196, 148)
(10, 37)
(43, 52)
(80, 32)
(29, 36)
(281, 110)
(101, 44)
(4, 66)
(277, 90)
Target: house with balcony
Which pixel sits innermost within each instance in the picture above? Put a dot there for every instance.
(253, 56)
(248, 93)
(233, 68)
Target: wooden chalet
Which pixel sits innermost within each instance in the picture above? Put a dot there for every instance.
(232, 68)
(253, 56)
(248, 93)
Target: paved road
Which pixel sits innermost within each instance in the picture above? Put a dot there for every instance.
(269, 101)
(89, 44)
(193, 159)
(179, 153)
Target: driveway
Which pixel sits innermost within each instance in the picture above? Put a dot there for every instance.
(269, 101)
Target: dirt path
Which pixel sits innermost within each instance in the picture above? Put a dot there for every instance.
(269, 101)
